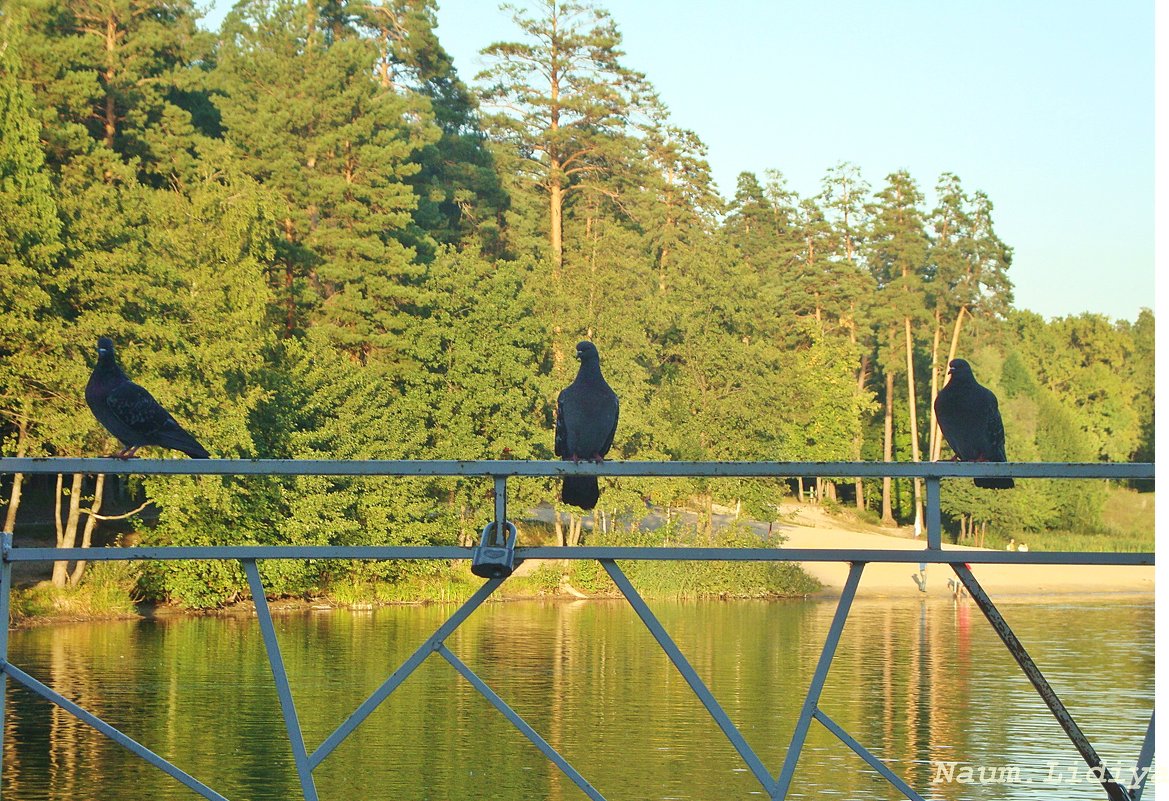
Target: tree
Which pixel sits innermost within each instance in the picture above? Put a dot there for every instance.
(460, 196)
(30, 244)
(967, 275)
(300, 105)
(118, 75)
(565, 98)
(682, 205)
(843, 197)
(897, 254)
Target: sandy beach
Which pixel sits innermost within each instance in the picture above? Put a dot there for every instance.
(819, 530)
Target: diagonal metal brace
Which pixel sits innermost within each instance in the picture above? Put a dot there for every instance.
(522, 725)
(1144, 761)
(127, 742)
(402, 673)
(1116, 791)
(867, 755)
(688, 673)
(779, 789)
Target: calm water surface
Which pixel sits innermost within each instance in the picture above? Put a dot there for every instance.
(915, 682)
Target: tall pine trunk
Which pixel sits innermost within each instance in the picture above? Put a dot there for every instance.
(962, 312)
(914, 442)
(555, 213)
(862, 378)
(887, 482)
(935, 433)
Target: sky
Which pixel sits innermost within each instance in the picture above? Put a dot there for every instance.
(1045, 105)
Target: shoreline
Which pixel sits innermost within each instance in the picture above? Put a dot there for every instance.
(811, 527)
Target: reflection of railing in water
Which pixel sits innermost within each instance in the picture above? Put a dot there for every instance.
(494, 553)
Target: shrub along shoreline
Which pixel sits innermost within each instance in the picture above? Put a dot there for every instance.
(113, 590)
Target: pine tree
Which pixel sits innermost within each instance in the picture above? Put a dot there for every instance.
(568, 99)
(119, 75)
(29, 248)
(300, 105)
(460, 196)
(968, 275)
(897, 254)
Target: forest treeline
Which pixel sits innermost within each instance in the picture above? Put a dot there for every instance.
(311, 237)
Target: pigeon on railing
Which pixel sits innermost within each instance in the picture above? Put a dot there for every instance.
(130, 413)
(968, 414)
(586, 420)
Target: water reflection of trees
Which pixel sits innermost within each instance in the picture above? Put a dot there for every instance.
(913, 682)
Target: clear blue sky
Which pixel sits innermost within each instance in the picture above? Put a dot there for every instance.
(1046, 105)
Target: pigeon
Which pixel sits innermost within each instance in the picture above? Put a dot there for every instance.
(968, 414)
(131, 413)
(586, 420)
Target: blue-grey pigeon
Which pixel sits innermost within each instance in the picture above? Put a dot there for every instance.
(131, 413)
(586, 420)
(968, 414)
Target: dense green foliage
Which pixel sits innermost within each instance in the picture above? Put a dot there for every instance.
(310, 238)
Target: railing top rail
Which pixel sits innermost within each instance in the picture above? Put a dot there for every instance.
(537, 468)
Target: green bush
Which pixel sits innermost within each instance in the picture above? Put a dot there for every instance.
(694, 579)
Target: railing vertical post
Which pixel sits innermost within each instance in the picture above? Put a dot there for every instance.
(933, 512)
(779, 791)
(500, 509)
(5, 619)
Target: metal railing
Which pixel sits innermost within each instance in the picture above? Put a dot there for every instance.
(496, 553)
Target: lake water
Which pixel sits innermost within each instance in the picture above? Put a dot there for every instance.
(915, 682)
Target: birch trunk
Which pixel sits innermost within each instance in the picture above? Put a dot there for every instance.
(90, 525)
(67, 529)
(17, 478)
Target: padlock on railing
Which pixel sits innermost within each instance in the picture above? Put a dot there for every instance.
(491, 559)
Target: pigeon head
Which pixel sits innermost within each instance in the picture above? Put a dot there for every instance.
(587, 352)
(960, 370)
(105, 352)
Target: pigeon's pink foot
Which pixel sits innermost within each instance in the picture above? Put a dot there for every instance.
(599, 459)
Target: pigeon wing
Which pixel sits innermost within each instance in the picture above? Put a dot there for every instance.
(951, 422)
(560, 443)
(137, 408)
(996, 436)
(612, 431)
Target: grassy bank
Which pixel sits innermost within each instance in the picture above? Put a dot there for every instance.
(108, 590)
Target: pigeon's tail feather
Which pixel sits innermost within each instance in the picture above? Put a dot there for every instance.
(582, 491)
(995, 483)
(180, 440)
